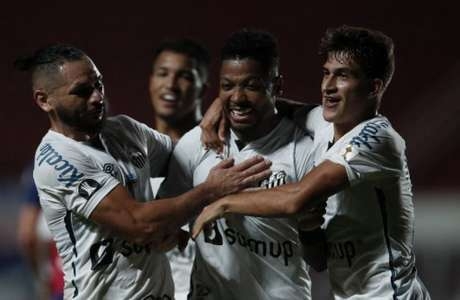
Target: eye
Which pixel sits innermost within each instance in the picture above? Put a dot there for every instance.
(83, 91)
(255, 85)
(187, 75)
(160, 73)
(99, 85)
(226, 86)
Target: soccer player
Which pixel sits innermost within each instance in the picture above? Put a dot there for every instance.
(361, 169)
(177, 84)
(248, 257)
(92, 175)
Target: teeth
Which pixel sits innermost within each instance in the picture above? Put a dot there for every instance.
(241, 110)
(169, 97)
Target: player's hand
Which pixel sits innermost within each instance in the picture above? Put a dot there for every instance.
(226, 178)
(312, 218)
(208, 215)
(214, 127)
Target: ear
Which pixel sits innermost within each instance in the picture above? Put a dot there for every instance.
(376, 87)
(278, 85)
(42, 99)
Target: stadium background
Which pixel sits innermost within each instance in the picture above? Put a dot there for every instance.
(422, 102)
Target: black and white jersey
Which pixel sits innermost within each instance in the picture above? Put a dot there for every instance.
(72, 178)
(370, 225)
(247, 257)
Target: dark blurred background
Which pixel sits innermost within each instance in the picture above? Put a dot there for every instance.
(422, 101)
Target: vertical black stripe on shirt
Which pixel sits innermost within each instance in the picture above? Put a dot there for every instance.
(384, 213)
(68, 227)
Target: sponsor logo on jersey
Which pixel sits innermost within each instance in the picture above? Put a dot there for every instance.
(101, 254)
(110, 169)
(342, 250)
(276, 179)
(369, 134)
(138, 159)
(68, 173)
(88, 187)
(283, 249)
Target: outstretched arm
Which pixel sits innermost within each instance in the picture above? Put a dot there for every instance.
(152, 221)
(290, 199)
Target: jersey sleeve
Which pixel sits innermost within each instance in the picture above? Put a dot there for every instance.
(374, 152)
(182, 164)
(66, 177)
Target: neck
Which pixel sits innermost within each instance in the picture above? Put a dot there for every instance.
(343, 128)
(175, 128)
(259, 130)
(72, 132)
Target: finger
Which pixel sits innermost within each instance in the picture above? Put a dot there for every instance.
(257, 168)
(247, 163)
(197, 228)
(224, 164)
(256, 178)
(223, 129)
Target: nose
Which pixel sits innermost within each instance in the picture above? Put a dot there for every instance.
(97, 96)
(171, 81)
(237, 95)
(328, 84)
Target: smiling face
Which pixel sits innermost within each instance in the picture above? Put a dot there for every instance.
(175, 85)
(247, 92)
(77, 102)
(346, 92)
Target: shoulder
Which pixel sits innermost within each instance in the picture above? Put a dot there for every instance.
(376, 134)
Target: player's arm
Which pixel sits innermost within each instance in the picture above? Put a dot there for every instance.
(326, 179)
(152, 221)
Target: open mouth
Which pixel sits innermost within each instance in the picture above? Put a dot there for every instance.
(329, 101)
(170, 97)
(241, 113)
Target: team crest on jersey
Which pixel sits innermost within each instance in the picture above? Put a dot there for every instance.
(110, 169)
(87, 188)
(276, 179)
(348, 152)
(138, 159)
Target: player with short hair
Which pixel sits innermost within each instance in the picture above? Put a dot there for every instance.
(361, 171)
(248, 257)
(92, 174)
(177, 84)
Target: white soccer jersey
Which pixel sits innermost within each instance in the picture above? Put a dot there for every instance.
(370, 225)
(247, 257)
(72, 178)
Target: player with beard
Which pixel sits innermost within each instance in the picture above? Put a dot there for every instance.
(248, 257)
(360, 170)
(92, 175)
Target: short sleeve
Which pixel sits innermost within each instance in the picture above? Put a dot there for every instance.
(374, 152)
(67, 177)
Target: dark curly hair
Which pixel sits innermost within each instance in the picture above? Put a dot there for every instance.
(260, 46)
(370, 49)
(189, 48)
